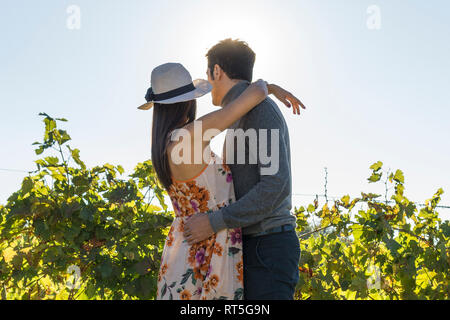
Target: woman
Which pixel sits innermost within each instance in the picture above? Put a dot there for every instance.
(213, 268)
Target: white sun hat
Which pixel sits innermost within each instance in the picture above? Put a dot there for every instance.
(172, 83)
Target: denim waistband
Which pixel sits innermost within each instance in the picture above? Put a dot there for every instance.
(283, 228)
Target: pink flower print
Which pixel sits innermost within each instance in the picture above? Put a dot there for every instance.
(236, 236)
(194, 205)
(229, 177)
(200, 256)
(209, 270)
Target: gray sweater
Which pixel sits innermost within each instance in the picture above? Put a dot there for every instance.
(264, 200)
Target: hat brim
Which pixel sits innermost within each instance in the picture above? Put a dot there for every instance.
(202, 87)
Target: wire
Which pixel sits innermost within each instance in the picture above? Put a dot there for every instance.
(13, 170)
(294, 194)
(338, 198)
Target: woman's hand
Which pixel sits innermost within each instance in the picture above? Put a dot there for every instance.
(286, 97)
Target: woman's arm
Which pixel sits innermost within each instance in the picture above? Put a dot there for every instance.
(216, 122)
(219, 120)
(222, 119)
(256, 92)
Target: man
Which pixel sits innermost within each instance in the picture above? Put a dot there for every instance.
(271, 248)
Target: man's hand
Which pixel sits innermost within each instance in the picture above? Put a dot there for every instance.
(197, 228)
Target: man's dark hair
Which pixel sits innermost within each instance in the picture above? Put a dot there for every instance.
(234, 57)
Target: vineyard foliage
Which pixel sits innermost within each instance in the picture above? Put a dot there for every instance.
(385, 249)
(87, 234)
(72, 232)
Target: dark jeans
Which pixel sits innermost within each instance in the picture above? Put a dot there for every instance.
(271, 266)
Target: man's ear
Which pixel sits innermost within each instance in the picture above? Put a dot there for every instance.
(217, 72)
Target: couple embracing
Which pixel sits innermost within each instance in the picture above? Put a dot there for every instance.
(233, 236)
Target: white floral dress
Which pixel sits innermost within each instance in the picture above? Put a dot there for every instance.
(210, 269)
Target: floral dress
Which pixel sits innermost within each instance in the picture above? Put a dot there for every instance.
(210, 269)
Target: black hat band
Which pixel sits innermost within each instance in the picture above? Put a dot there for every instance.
(150, 96)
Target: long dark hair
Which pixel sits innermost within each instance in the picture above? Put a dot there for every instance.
(166, 118)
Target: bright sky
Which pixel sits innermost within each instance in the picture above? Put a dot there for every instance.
(371, 94)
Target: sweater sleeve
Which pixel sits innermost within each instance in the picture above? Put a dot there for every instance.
(274, 183)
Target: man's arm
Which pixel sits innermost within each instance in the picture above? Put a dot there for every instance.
(271, 190)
